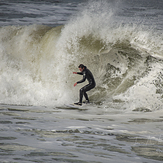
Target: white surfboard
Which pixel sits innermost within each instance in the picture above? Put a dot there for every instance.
(73, 106)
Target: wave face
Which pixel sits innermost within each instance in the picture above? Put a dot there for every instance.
(126, 59)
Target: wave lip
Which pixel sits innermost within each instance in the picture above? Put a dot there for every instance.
(126, 60)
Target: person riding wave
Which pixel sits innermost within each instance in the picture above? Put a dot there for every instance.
(86, 75)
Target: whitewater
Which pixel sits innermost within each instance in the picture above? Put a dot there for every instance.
(41, 45)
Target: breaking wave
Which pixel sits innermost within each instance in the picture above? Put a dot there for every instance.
(126, 59)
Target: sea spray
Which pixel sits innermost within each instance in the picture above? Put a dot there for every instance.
(30, 68)
(37, 61)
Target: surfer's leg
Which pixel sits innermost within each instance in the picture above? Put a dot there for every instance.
(87, 88)
(83, 91)
(86, 96)
(81, 94)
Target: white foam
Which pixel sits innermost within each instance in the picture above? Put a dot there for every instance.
(38, 61)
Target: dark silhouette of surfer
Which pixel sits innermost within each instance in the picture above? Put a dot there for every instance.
(86, 75)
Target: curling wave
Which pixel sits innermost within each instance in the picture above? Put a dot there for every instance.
(37, 62)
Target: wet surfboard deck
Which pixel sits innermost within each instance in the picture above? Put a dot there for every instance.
(74, 106)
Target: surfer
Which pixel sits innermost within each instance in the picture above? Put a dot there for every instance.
(86, 75)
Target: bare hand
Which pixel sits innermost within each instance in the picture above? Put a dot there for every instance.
(74, 72)
(75, 84)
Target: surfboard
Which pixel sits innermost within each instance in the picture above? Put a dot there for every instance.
(73, 106)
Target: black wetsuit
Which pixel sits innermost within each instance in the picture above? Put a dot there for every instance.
(86, 75)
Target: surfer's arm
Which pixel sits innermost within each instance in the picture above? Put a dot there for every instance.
(84, 78)
(79, 73)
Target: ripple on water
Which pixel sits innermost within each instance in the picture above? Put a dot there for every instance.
(17, 110)
(15, 147)
(144, 120)
(151, 152)
(9, 113)
(5, 122)
(7, 138)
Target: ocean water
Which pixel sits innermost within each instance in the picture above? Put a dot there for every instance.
(43, 42)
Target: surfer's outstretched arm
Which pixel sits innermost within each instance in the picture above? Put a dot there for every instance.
(81, 81)
(79, 73)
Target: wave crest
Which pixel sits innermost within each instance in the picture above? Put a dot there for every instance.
(37, 62)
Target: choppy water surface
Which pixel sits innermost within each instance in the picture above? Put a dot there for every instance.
(47, 134)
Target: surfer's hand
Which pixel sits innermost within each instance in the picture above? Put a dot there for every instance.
(75, 84)
(74, 72)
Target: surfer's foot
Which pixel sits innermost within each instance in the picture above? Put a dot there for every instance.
(86, 102)
(78, 103)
